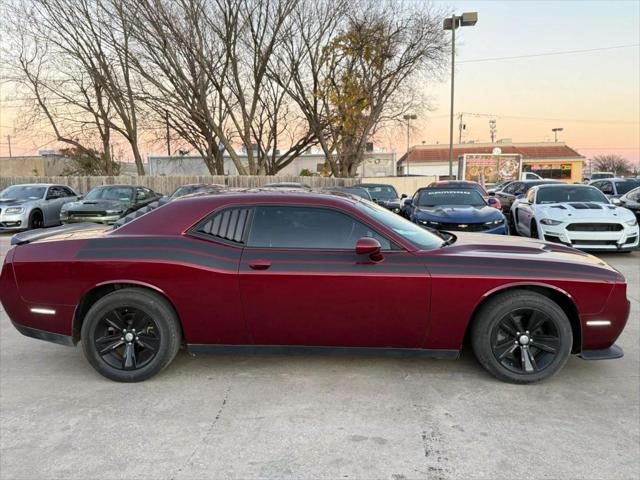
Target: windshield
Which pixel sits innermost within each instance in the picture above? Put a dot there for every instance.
(626, 186)
(124, 194)
(417, 236)
(596, 176)
(186, 190)
(436, 197)
(570, 194)
(382, 192)
(23, 192)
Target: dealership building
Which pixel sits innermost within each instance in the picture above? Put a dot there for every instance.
(554, 160)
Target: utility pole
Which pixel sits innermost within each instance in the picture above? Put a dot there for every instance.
(9, 143)
(166, 118)
(408, 118)
(492, 129)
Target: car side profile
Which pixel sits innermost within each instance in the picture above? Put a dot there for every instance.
(616, 187)
(512, 191)
(384, 195)
(575, 215)
(631, 201)
(29, 206)
(276, 270)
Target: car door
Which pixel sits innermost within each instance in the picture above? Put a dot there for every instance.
(52, 205)
(524, 213)
(508, 195)
(301, 283)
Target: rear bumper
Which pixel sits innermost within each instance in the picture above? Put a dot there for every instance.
(614, 351)
(46, 336)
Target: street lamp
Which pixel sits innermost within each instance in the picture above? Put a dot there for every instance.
(408, 118)
(556, 130)
(467, 19)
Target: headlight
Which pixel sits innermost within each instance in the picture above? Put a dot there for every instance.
(500, 221)
(14, 210)
(396, 210)
(114, 212)
(632, 223)
(549, 221)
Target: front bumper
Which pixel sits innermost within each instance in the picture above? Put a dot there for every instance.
(625, 239)
(106, 219)
(502, 229)
(13, 222)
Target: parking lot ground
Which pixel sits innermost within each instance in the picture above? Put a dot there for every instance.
(305, 416)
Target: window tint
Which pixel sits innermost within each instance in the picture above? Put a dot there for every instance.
(309, 228)
(512, 188)
(226, 225)
(607, 188)
(68, 192)
(626, 186)
(54, 192)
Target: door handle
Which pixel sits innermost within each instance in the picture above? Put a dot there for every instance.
(259, 264)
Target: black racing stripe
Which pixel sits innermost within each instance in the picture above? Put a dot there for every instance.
(306, 256)
(505, 272)
(182, 243)
(161, 255)
(341, 268)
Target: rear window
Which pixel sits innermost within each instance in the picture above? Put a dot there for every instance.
(228, 225)
(626, 186)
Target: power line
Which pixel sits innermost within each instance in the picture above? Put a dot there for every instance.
(548, 54)
(554, 119)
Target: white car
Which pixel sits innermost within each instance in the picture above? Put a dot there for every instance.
(579, 216)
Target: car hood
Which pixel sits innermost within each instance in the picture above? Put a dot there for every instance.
(582, 211)
(93, 205)
(15, 202)
(497, 252)
(458, 213)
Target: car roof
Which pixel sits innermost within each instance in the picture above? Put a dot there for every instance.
(36, 185)
(119, 185)
(365, 185)
(564, 185)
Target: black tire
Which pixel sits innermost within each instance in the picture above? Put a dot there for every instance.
(517, 357)
(149, 349)
(36, 220)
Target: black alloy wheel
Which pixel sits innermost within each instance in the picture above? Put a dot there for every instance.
(521, 336)
(525, 341)
(127, 338)
(36, 220)
(130, 334)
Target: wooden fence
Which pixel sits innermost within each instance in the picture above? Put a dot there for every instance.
(167, 185)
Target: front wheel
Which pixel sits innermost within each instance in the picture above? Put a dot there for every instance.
(36, 220)
(521, 337)
(130, 335)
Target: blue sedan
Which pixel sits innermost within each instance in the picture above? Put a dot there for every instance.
(462, 210)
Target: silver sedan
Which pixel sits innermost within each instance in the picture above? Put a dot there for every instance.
(36, 205)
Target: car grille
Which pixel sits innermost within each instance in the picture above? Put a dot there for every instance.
(84, 214)
(595, 227)
(466, 227)
(595, 242)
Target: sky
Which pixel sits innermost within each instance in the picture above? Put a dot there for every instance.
(594, 96)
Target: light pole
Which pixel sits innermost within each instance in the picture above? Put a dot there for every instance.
(555, 132)
(408, 118)
(467, 19)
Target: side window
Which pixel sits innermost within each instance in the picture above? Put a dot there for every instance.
(607, 188)
(141, 194)
(513, 188)
(54, 192)
(67, 192)
(228, 225)
(308, 228)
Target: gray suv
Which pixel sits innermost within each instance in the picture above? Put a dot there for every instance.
(35, 205)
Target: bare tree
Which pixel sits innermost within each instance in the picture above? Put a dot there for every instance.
(611, 163)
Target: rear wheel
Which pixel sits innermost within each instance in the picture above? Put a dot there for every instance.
(130, 335)
(36, 220)
(521, 337)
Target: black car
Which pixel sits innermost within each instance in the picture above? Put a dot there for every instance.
(196, 188)
(515, 189)
(107, 203)
(384, 195)
(357, 191)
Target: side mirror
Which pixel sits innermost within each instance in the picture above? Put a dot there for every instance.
(403, 196)
(615, 201)
(79, 197)
(492, 201)
(491, 192)
(519, 196)
(369, 246)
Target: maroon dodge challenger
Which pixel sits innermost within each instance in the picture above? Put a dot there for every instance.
(277, 271)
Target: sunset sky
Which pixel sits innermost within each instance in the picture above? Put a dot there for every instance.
(594, 96)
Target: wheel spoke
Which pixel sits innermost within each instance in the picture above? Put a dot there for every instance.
(535, 321)
(116, 326)
(140, 320)
(108, 339)
(504, 349)
(111, 347)
(516, 321)
(527, 360)
(129, 357)
(547, 343)
(505, 327)
(148, 342)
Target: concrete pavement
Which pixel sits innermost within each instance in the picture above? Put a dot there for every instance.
(289, 417)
